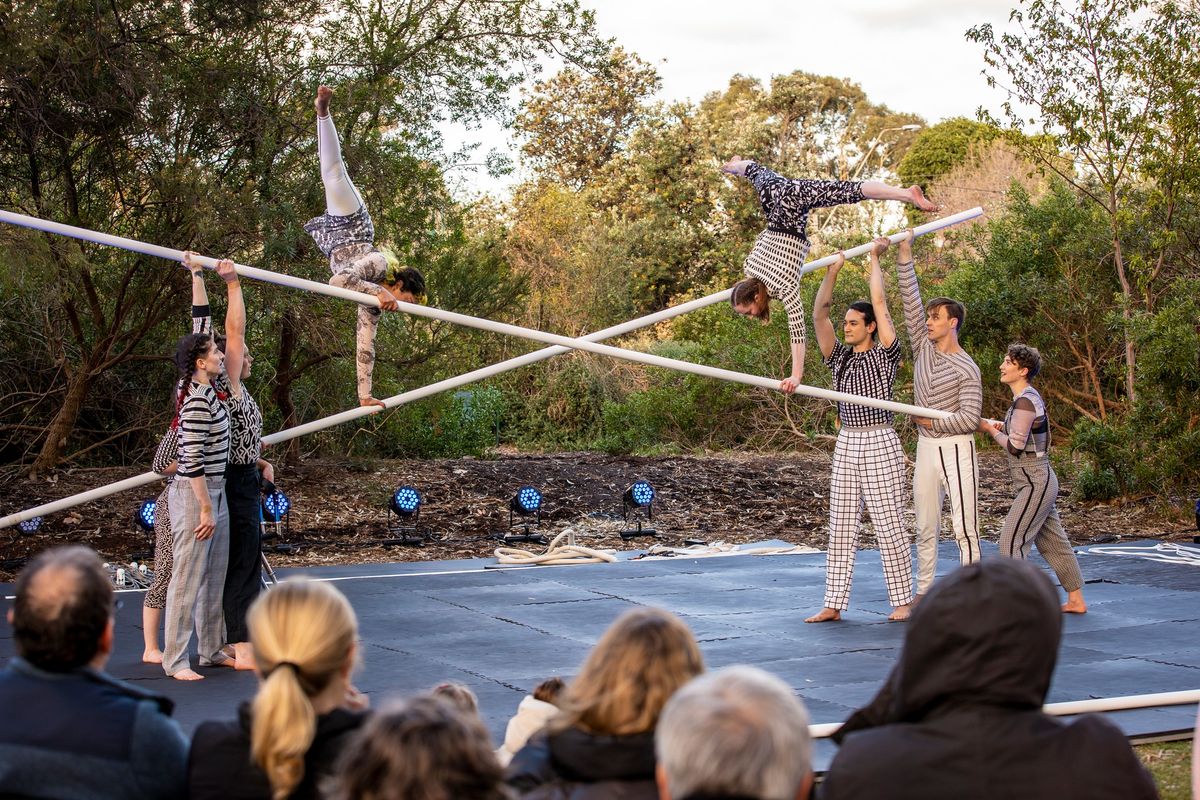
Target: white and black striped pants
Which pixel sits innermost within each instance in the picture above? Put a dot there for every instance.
(868, 469)
(945, 466)
(1033, 519)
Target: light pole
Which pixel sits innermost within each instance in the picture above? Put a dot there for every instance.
(876, 141)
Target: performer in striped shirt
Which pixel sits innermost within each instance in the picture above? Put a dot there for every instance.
(247, 469)
(346, 235)
(868, 461)
(1025, 436)
(945, 378)
(773, 266)
(199, 513)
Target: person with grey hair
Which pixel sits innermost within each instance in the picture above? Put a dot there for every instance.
(739, 733)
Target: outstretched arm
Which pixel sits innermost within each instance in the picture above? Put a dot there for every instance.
(874, 190)
(794, 306)
(826, 335)
(884, 327)
(910, 292)
(235, 326)
(201, 314)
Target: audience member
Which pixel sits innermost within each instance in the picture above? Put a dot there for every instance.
(960, 715)
(601, 744)
(457, 695)
(423, 749)
(287, 739)
(532, 715)
(736, 733)
(68, 731)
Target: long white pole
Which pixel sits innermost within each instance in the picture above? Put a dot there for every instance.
(405, 397)
(1073, 707)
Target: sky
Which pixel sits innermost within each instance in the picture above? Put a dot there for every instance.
(911, 55)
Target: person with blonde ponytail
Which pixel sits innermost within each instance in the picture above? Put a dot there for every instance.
(601, 744)
(286, 741)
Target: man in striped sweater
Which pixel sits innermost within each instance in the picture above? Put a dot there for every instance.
(945, 378)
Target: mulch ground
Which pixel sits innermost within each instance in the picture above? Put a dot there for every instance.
(339, 507)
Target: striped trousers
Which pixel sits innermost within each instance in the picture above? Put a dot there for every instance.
(1033, 519)
(868, 469)
(945, 466)
(197, 578)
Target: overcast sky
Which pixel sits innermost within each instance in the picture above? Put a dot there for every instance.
(910, 54)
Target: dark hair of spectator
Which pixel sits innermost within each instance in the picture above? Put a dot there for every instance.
(549, 690)
(63, 604)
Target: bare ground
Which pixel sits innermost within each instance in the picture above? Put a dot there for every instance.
(339, 514)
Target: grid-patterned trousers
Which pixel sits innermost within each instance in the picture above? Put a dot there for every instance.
(197, 577)
(945, 466)
(868, 468)
(1033, 519)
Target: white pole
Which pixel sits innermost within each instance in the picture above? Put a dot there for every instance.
(1073, 707)
(405, 397)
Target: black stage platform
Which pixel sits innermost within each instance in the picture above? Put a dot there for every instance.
(500, 631)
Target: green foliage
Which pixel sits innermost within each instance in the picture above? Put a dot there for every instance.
(447, 425)
(940, 148)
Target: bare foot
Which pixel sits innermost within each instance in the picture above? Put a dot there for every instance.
(920, 200)
(152, 656)
(1074, 607)
(324, 95)
(244, 656)
(901, 613)
(188, 675)
(825, 615)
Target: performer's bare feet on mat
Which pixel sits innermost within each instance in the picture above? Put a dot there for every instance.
(188, 675)
(243, 658)
(152, 656)
(1075, 604)
(901, 613)
(825, 615)
(920, 200)
(324, 93)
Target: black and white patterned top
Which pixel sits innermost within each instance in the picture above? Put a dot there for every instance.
(1026, 426)
(168, 450)
(779, 251)
(203, 434)
(331, 232)
(871, 373)
(245, 417)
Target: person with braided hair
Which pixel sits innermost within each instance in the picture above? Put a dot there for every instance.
(773, 266)
(346, 235)
(286, 741)
(199, 512)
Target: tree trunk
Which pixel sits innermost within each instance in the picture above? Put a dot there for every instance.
(281, 391)
(63, 424)
(1127, 316)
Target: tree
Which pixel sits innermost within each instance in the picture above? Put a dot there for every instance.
(1113, 87)
(940, 148)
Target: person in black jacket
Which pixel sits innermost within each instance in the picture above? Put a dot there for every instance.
(601, 745)
(68, 731)
(960, 715)
(286, 742)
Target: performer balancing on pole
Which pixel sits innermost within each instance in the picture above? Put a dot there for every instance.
(868, 461)
(945, 378)
(346, 234)
(247, 469)
(773, 266)
(1025, 436)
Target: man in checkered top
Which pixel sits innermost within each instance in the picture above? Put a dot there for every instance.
(868, 461)
(773, 266)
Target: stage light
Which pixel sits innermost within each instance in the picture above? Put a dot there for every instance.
(275, 505)
(526, 501)
(638, 499)
(406, 502)
(144, 516)
(30, 526)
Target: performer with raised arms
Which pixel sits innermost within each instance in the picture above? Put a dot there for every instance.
(773, 266)
(868, 460)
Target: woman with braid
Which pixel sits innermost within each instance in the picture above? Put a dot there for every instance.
(247, 469)
(1025, 437)
(199, 512)
(773, 266)
(286, 741)
(346, 234)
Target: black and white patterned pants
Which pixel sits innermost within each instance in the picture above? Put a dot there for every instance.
(868, 469)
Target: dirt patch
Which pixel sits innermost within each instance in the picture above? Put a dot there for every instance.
(339, 516)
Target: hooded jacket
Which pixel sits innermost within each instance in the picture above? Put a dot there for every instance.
(960, 714)
(576, 765)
